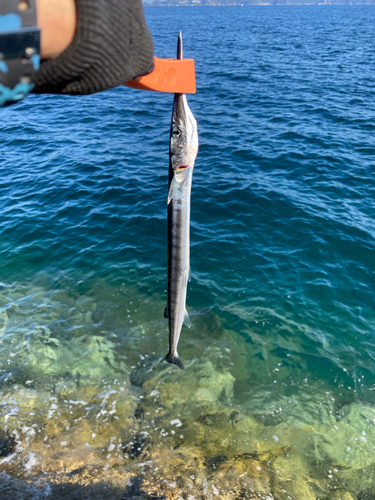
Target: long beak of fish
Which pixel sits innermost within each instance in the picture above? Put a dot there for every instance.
(180, 49)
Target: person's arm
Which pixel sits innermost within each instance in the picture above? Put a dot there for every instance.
(57, 20)
(86, 46)
(111, 45)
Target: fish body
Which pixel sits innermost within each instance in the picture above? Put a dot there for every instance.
(183, 149)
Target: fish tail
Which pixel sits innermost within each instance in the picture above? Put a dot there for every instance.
(174, 360)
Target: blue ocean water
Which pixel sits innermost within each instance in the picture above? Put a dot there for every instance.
(282, 225)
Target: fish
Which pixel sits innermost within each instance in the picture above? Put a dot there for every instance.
(183, 149)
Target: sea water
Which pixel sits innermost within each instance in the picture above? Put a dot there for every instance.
(278, 397)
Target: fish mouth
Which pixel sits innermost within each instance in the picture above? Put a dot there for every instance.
(181, 167)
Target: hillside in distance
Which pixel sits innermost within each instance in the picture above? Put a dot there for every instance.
(199, 3)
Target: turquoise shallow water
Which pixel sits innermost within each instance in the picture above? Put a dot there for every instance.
(282, 341)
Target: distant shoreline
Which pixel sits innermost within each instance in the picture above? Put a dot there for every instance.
(244, 3)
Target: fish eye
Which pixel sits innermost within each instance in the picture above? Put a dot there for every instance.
(176, 132)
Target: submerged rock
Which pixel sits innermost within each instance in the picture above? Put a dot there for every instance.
(7, 444)
(3, 322)
(146, 369)
(201, 382)
(87, 409)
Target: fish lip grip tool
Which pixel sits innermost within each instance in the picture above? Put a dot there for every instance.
(169, 75)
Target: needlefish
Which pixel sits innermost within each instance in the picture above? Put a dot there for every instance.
(183, 149)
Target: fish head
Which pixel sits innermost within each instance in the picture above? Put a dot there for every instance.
(183, 145)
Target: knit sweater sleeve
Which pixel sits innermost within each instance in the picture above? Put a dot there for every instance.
(111, 46)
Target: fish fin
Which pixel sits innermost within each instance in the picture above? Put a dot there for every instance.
(166, 312)
(187, 321)
(186, 276)
(189, 278)
(172, 190)
(174, 360)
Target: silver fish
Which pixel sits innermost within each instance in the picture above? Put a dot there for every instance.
(183, 149)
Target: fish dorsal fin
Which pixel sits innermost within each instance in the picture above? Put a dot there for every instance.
(172, 189)
(166, 315)
(187, 321)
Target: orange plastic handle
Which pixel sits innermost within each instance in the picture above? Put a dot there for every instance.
(169, 75)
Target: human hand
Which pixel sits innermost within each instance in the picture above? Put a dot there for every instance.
(91, 45)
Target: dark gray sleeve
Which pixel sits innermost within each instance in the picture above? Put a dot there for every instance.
(111, 46)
